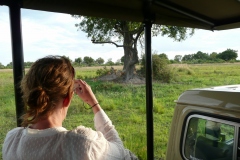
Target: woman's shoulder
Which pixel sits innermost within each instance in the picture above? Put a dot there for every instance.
(82, 131)
(15, 131)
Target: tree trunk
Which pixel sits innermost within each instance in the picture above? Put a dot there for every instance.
(131, 58)
(130, 55)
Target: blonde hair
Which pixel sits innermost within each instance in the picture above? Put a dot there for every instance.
(48, 80)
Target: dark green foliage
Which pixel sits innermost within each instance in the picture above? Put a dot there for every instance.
(1, 66)
(100, 29)
(163, 56)
(187, 57)
(197, 56)
(160, 68)
(213, 56)
(122, 59)
(118, 62)
(99, 60)
(103, 71)
(88, 60)
(28, 64)
(78, 60)
(200, 57)
(110, 62)
(228, 55)
(178, 58)
(9, 65)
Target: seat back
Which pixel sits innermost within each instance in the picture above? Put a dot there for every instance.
(208, 149)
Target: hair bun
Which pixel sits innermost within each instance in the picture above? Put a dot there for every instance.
(38, 98)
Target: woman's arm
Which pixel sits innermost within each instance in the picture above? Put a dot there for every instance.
(107, 140)
(101, 120)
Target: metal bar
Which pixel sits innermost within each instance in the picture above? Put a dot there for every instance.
(17, 55)
(184, 12)
(149, 94)
(148, 21)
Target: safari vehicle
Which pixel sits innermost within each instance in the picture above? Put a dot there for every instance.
(192, 135)
(205, 125)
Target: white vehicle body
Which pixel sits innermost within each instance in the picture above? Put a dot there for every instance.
(205, 125)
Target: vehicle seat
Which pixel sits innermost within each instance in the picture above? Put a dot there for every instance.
(207, 149)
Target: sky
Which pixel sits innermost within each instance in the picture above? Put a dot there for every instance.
(48, 33)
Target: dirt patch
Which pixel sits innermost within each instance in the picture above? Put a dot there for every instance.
(113, 77)
(117, 76)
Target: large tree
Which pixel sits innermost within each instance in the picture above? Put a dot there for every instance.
(88, 60)
(200, 55)
(228, 55)
(178, 58)
(78, 60)
(113, 31)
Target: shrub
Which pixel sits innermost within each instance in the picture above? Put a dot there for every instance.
(102, 72)
(190, 72)
(160, 68)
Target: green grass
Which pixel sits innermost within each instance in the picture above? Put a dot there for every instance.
(125, 104)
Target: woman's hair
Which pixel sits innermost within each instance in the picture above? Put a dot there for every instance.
(48, 80)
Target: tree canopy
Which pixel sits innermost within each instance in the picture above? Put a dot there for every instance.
(228, 54)
(88, 60)
(99, 60)
(178, 58)
(78, 60)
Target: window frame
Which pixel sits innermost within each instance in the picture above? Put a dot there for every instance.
(205, 117)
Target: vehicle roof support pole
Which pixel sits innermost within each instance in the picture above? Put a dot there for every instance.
(149, 95)
(17, 55)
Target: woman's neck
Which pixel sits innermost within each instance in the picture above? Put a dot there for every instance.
(54, 120)
(45, 124)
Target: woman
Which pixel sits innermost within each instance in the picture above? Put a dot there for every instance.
(48, 88)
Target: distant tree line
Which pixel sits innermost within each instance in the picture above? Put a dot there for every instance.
(89, 61)
(228, 55)
(81, 62)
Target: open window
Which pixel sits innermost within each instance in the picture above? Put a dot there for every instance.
(208, 138)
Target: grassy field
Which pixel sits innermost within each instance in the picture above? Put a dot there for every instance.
(125, 103)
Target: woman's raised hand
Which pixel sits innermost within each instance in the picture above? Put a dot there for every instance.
(84, 91)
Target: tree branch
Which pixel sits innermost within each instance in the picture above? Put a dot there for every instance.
(96, 42)
(118, 29)
(136, 31)
(138, 34)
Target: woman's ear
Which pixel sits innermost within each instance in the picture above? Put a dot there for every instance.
(67, 100)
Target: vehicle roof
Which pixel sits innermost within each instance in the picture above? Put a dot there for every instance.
(203, 14)
(225, 97)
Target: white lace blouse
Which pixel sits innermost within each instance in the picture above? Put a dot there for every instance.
(60, 144)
